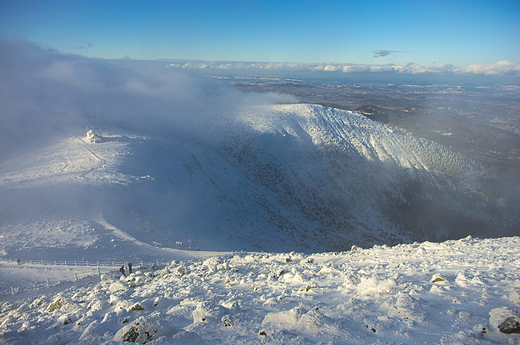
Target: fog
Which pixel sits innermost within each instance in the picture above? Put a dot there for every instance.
(44, 93)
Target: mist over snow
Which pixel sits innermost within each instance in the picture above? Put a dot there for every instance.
(189, 174)
(185, 163)
(44, 92)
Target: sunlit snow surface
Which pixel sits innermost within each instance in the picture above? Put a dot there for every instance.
(262, 178)
(277, 178)
(454, 292)
(222, 180)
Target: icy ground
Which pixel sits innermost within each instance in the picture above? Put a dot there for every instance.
(454, 292)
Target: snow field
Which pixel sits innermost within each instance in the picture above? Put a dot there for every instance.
(261, 178)
(454, 292)
(187, 165)
(28, 277)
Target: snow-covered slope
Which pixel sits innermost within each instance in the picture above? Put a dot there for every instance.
(184, 165)
(356, 181)
(455, 292)
(189, 164)
(272, 178)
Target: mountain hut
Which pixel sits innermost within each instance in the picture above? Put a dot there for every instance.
(93, 137)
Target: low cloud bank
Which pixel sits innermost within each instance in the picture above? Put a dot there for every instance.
(43, 92)
(505, 67)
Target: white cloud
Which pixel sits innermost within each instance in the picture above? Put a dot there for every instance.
(503, 67)
(354, 68)
(383, 68)
(331, 68)
(42, 90)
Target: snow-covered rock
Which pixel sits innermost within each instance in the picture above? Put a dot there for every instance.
(505, 320)
(144, 330)
(378, 295)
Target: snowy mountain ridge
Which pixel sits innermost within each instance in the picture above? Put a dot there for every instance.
(272, 178)
(177, 166)
(354, 163)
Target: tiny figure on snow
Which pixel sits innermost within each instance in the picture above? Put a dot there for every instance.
(18, 261)
(129, 268)
(122, 270)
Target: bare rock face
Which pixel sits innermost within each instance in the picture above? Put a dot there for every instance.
(505, 319)
(510, 325)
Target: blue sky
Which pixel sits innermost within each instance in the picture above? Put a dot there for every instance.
(457, 32)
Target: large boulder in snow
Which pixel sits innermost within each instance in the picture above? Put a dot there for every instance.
(510, 325)
(143, 330)
(57, 304)
(505, 320)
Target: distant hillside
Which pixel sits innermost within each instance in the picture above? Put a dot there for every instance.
(275, 178)
(358, 181)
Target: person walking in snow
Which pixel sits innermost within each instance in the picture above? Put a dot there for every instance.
(122, 270)
(129, 268)
(18, 261)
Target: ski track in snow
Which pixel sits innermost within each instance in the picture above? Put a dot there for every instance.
(118, 232)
